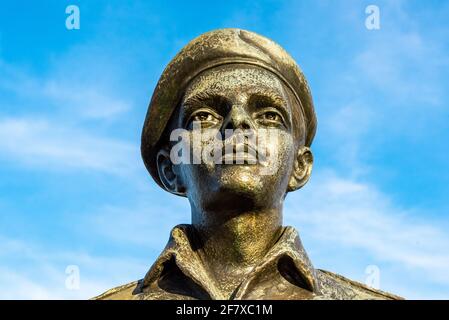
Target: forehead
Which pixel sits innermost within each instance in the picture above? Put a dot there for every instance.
(235, 78)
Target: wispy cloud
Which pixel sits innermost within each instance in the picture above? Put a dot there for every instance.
(36, 142)
(47, 277)
(351, 214)
(143, 223)
(392, 60)
(87, 97)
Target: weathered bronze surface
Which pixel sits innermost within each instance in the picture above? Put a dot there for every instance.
(236, 246)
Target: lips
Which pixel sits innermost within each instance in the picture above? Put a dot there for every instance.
(241, 153)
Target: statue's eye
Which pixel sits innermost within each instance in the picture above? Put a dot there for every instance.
(270, 118)
(204, 118)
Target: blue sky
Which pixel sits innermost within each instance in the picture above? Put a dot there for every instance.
(74, 191)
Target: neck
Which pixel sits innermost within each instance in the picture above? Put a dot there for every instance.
(234, 240)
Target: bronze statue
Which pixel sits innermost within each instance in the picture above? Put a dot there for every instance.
(236, 246)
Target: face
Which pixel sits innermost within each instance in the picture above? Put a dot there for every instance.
(237, 98)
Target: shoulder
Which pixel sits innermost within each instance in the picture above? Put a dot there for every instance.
(123, 292)
(334, 286)
(134, 291)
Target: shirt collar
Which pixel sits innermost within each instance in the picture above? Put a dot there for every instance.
(181, 248)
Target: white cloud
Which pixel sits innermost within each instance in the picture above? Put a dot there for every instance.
(47, 277)
(38, 142)
(405, 66)
(87, 101)
(81, 93)
(143, 223)
(351, 215)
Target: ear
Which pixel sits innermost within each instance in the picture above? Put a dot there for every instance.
(302, 169)
(168, 174)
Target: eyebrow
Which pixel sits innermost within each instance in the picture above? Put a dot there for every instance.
(203, 97)
(209, 95)
(269, 96)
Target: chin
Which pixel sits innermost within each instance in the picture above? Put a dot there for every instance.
(242, 181)
(237, 187)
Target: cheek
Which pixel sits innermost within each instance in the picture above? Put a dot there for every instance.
(280, 152)
(195, 172)
(203, 145)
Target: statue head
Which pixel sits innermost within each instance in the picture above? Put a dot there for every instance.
(247, 93)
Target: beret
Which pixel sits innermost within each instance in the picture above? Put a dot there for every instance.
(209, 50)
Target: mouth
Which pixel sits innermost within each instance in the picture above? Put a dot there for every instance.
(239, 154)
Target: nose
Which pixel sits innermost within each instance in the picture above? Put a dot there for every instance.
(238, 118)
